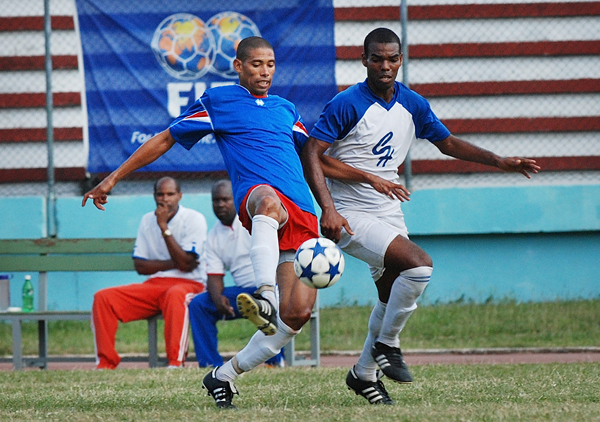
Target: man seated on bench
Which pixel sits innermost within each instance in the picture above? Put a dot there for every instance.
(227, 248)
(168, 248)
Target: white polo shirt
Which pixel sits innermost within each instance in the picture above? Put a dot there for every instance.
(228, 249)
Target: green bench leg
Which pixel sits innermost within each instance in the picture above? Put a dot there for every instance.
(17, 345)
(43, 344)
(153, 341)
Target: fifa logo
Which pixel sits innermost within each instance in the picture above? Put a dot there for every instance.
(382, 148)
(187, 48)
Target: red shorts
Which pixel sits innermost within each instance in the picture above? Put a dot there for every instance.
(299, 227)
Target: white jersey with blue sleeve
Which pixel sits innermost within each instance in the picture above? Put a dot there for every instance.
(371, 135)
(259, 137)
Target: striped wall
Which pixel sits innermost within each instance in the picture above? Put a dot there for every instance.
(531, 86)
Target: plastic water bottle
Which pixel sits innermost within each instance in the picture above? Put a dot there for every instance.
(27, 295)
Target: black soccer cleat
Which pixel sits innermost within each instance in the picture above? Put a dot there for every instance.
(259, 312)
(391, 363)
(374, 392)
(221, 391)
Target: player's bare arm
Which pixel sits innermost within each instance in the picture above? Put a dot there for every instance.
(149, 152)
(335, 169)
(331, 221)
(463, 150)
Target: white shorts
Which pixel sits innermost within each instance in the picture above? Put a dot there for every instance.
(372, 236)
(286, 256)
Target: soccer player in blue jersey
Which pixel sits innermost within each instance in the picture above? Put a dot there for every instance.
(260, 137)
(358, 143)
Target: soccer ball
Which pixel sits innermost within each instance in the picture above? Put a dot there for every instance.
(184, 46)
(319, 263)
(228, 29)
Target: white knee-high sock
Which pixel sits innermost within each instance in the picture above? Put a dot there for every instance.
(406, 289)
(259, 349)
(264, 254)
(366, 367)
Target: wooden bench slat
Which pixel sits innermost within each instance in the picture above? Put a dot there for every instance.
(66, 246)
(97, 262)
(45, 316)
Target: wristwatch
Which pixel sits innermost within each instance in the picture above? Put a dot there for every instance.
(167, 233)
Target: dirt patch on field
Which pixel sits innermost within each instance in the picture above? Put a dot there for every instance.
(479, 356)
(417, 357)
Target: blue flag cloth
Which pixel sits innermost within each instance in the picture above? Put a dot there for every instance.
(146, 62)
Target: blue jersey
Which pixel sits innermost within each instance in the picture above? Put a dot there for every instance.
(260, 139)
(374, 136)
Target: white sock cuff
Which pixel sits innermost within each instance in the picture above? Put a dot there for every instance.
(286, 328)
(418, 274)
(260, 218)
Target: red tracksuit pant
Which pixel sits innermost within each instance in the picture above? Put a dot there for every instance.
(133, 302)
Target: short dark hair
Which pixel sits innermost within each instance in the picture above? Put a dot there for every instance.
(381, 36)
(248, 44)
(221, 184)
(164, 179)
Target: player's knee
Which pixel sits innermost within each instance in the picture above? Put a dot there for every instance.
(419, 258)
(426, 261)
(269, 206)
(403, 254)
(296, 318)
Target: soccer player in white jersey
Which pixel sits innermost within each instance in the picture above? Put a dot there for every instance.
(259, 136)
(358, 143)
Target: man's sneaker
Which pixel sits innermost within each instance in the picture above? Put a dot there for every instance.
(259, 312)
(391, 363)
(221, 391)
(374, 392)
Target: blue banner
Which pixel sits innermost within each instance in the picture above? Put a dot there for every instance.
(146, 62)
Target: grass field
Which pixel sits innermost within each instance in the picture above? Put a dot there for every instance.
(549, 392)
(540, 392)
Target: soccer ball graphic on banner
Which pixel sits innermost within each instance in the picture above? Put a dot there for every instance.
(319, 263)
(228, 29)
(184, 46)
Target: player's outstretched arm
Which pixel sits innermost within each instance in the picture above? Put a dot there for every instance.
(463, 150)
(144, 155)
(519, 165)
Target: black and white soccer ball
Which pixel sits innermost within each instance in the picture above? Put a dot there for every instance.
(319, 263)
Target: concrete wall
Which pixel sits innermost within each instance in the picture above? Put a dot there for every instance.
(534, 243)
